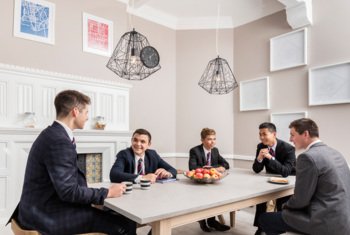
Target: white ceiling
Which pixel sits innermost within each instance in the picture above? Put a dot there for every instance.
(202, 14)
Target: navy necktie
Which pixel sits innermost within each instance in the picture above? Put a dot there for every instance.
(208, 159)
(271, 152)
(73, 142)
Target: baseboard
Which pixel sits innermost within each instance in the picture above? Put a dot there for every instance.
(226, 156)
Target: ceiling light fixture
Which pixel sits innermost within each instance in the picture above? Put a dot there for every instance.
(134, 58)
(218, 77)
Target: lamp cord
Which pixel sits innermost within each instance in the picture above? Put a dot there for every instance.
(217, 30)
(129, 14)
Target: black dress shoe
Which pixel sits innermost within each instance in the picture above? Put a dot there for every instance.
(258, 232)
(204, 226)
(217, 225)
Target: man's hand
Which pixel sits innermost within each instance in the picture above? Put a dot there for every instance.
(116, 190)
(162, 173)
(151, 177)
(263, 153)
(220, 169)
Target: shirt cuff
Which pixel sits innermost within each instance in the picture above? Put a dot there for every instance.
(260, 161)
(138, 179)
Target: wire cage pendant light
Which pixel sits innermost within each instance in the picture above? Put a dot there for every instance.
(125, 60)
(218, 77)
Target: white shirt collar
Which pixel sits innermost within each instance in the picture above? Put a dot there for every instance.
(68, 130)
(315, 142)
(206, 151)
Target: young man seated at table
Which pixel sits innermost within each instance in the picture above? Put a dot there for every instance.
(139, 162)
(321, 201)
(278, 157)
(206, 154)
(55, 197)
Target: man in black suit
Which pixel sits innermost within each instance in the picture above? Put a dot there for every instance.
(207, 155)
(139, 162)
(278, 157)
(55, 197)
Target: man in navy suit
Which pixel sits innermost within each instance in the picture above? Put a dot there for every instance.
(55, 197)
(139, 162)
(206, 154)
(278, 157)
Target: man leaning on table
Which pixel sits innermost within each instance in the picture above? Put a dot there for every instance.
(139, 162)
(321, 201)
(55, 197)
(278, 157)
(206, 154)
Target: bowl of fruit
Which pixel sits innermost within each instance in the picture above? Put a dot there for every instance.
(205, 175)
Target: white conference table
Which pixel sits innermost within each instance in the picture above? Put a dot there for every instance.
(173, 204)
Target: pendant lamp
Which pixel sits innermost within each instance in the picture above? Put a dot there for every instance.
(218, 77)
(125, 60)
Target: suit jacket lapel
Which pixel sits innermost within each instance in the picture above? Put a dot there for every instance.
(132, 160)
(201, 149)
(147, 163)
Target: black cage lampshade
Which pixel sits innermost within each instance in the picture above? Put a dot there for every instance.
(125, 60)
(218, 77)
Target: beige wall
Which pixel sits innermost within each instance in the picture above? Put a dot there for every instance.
(195, 108)
(170, 103)
(328, 43)
(66, 56)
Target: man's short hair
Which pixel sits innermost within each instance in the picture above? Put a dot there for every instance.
(207, 131)
(305, 124)
(270, 126)
(143, 132)
(66, 100)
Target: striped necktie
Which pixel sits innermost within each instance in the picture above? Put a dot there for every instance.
(208, 159)
(140, 170)
(73, 142)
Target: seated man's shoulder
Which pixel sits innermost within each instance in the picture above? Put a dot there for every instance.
(285, 144)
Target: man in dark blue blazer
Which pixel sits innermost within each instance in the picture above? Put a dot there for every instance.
(207, 154)
(278, 157)
(139, 162)
(55, 197)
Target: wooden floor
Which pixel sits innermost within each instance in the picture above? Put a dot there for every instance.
(244, 226)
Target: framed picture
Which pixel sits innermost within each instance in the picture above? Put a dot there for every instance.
(34, 20)
(288, 50)
(282, 121)
(254, 94)
(97, 35)
(329, 84)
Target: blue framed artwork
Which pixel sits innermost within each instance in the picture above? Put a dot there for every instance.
(34, 20)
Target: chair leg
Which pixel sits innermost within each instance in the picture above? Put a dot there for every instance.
(221, 219)
(233, 219)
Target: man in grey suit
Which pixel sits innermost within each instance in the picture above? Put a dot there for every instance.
(321, 201)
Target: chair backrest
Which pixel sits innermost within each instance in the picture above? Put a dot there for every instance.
(17, 230)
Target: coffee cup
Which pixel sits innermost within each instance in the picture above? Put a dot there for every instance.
(129, 186)
(145, 184)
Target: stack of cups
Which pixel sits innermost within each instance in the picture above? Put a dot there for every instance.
(145, 184)
(128, 187)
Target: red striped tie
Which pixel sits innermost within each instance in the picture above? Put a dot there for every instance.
(140, 167)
